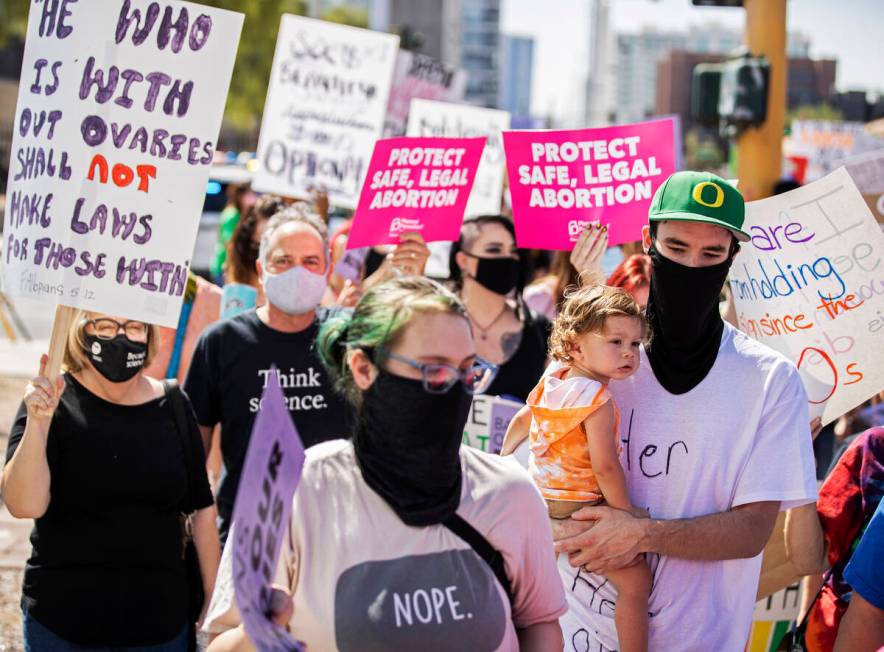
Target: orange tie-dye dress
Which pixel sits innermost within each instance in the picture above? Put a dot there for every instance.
(560, 463)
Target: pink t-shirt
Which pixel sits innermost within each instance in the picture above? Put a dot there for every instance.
(361, 579)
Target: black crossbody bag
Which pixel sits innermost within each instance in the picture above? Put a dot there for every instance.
(195, 595)
(489, 554)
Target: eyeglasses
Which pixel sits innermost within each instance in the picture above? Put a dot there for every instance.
(439, 378)
(107, 329)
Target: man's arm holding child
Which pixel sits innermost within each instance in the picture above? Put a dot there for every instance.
(618, 536)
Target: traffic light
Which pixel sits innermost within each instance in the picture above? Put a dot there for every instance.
(705, 88)
(742, 99)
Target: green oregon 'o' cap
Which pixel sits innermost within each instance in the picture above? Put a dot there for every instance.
(700, 197)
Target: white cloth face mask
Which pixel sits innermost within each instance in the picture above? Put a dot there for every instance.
(295, 291)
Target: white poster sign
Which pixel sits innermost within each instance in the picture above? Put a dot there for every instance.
(825, 143)
(118, 113)
(810, 285)
(420, 76)
(429, 118)
(325, 108)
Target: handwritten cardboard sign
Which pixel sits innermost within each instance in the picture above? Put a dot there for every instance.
(415, 184)
(118, 113)
(488, 420)
(325, 108)
(810, 285)
(270, 476)
(420, 76)
(560, 180)
(441, 119)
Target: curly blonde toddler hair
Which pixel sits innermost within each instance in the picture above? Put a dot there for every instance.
(585, 310)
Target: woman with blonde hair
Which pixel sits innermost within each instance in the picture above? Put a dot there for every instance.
(106, 461)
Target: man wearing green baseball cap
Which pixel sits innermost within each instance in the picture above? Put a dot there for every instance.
(715, 441)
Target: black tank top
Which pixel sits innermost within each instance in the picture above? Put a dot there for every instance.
(518, 375)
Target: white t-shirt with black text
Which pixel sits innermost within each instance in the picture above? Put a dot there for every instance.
(741, 436)
(363, 580)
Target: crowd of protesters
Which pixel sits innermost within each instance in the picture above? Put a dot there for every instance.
(662, 443)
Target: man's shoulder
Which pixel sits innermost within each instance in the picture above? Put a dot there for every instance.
(745, 355)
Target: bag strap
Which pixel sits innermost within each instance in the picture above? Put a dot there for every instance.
(182, 425)
(483, 548)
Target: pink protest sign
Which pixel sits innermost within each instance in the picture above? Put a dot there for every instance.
(271, 473)
(560, 180)
(415, 184)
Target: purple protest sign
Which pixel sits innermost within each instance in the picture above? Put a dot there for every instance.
(351, 264)
(502, 412)
(271, 473)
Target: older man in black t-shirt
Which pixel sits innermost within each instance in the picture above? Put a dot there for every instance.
(234, 358)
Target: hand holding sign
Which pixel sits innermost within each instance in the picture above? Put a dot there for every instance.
(586, 258)
(270, 476)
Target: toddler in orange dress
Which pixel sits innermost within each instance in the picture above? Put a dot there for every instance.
(573, 436)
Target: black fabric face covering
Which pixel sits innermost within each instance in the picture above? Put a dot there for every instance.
(499, 275)
(118, 359)
(407, 445)
(685, 323)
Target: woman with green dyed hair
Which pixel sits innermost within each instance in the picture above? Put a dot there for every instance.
(401, 538)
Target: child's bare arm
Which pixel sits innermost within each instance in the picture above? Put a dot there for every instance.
(517, 431)
(600, 436)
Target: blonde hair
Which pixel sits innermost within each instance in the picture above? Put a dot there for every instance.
(75, 358)
(585, 310)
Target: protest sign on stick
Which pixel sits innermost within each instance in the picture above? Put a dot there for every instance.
(420, 76)
(271, 472)
(415, 185)
(118, 111)
(442, 119)
(325, 108)
(561, 180)
(810, 286)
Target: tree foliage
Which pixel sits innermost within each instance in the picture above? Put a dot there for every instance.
(251, 73)
(347, 15)
(13, 20)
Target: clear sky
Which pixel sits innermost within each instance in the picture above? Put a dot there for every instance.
(851, 31)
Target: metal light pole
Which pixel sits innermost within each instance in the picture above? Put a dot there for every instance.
(760, 149)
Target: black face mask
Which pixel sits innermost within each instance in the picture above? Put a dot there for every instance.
(685, 322)
(118, 359)
(499, 275)
(408, 447)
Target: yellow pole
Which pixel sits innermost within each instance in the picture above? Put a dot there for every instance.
(760, 149)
